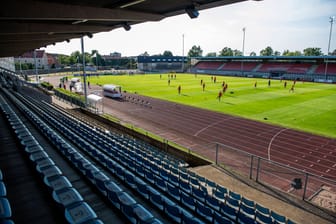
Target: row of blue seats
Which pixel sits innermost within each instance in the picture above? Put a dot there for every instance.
(134, 211)
(77, 211)
(129, 178)
(225, 196)
(149, 176)
(5, 207)
(238, 210)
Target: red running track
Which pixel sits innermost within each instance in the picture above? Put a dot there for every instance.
(305, 151)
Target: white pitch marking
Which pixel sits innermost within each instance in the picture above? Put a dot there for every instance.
(269, 145)
(210, 125)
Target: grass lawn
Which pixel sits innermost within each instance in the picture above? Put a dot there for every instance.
(311, 107)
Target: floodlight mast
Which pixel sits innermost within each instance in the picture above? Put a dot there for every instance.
(332, 19)
(182, 53)
(242, 62)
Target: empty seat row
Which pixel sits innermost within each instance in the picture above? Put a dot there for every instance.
(5, 207)
(230, 208)
(76, 211)
(179, 184)
(134, 211)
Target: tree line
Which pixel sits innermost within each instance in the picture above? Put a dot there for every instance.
(196, 51)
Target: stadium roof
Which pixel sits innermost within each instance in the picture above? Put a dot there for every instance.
(30, 24)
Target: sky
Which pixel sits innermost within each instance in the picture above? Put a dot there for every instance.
(280, 24)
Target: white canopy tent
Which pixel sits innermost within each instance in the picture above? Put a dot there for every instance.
(95, 102)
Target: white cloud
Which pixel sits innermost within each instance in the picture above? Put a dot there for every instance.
(285, 24)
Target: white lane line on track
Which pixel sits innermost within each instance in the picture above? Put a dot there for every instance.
(270, 144)
(211, 125)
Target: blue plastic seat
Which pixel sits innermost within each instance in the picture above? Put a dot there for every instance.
(100, 179)
(161, 183)
(127, 204)
(185, 186)
(113, 190)
(34, 157)
(247, 210)
(51, 171)
(210, 183)
(232, 202)
(188, 201)
(5, 209)
(41, 164)
(219, 219)
(247, 202)
(79, 213)
(173, 191)
(243, 219)
(3, 191)
(234, 195)
(199, 194)
(263, 210)
(173, 211)
(142, 214)
(221, 189)
(141, 188)
(33, 149)
(130, 179)
(277, 217)
(140, 170)
(212, 202)
(205, 211)
(67, 196)
(229, 212)
(156, 198)
(149, 176)
(57, 182)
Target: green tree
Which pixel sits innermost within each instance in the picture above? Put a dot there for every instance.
(291, 53)
(253, 53)
(268, 51)
(226, 51)
(167, 53)
(211, 54)
(195, 51)
(237, 52)
(312, 51)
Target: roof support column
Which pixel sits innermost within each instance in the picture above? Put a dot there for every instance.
(84, 74)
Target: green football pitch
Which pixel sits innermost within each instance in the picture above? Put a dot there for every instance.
(311, 107)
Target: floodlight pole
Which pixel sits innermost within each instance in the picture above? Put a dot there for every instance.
(35, 62)
(182, 53)
(242, 62)
(84, 75)
(332, 19)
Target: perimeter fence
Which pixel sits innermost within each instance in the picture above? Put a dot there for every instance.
(299, 183)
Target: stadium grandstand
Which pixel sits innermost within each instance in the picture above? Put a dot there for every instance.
(59, 163)
(161, 63)
(308, 68)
